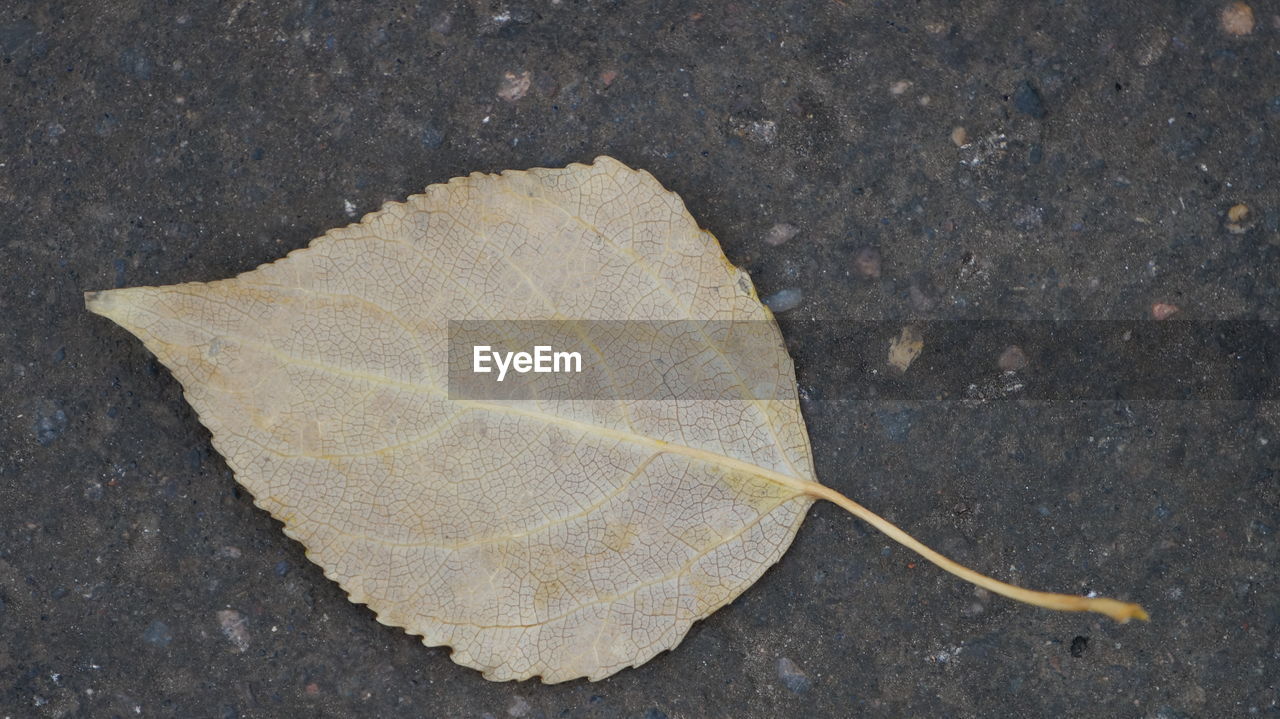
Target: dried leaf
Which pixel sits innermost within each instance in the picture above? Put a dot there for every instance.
(558, 539)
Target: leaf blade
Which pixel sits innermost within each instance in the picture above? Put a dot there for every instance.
(335, 421)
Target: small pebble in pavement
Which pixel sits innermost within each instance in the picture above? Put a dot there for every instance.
(780, 233)
(158, 634)
(1151, 45)
(1027, 100)
(233, 628)
(867, 263)
(1237, 19)
(792, 676)
(518, 707)
(1163, 310)
(905, 348)
(919, 296)
(1238, 219)
(50, 423)
(514, 85)
(1012, 359)
(765, 131)
(784, 300)
(227, 552)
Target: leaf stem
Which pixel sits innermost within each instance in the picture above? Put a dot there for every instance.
(1117, 610)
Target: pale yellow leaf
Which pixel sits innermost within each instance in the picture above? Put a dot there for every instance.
(552, 538)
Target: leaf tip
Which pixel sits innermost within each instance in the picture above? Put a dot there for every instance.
(112, 304)
(99, 302)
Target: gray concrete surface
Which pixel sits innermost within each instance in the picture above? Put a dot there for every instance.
(151, 143)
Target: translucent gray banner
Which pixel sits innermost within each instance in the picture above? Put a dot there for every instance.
(887, 360)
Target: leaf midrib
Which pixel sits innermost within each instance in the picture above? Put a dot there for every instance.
(797, 484)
